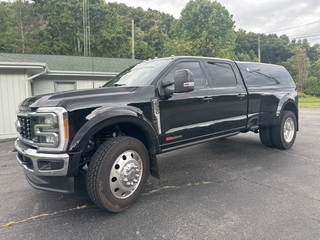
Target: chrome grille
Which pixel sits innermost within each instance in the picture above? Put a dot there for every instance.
(25, 127)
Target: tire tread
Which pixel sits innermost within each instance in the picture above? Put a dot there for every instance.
(277, 131)
(95, 163)
(265, 136)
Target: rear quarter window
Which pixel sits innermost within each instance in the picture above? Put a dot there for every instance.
(259, 74)
(221, 75)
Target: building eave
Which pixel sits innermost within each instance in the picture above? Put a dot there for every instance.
(44, 68)
(23, 65)
(81, 73)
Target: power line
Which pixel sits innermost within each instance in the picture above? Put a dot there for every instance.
(315, 34)
(293, 27)
(306, 36)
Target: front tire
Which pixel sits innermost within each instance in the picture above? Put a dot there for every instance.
(118, 173)
(284, 134)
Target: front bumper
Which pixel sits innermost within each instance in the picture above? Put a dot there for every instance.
(41, 164)
(45, 171)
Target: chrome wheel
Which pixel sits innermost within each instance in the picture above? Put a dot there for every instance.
(288, 129)
(284, 134)
(125, 174)
(118, 173)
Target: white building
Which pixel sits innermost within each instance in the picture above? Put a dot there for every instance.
(25, 75)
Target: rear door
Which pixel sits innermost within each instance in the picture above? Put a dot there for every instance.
(187, 117)
(230, 96)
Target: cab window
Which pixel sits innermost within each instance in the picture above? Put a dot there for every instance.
(221, 75)
(194, 67)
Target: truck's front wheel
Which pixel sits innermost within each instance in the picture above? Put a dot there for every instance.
(284, 134)
(118, 173)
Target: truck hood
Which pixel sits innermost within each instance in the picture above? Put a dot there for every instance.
(89, 98)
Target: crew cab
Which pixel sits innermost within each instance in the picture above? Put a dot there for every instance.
(156, 106)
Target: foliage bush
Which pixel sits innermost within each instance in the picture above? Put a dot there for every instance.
(313, 86)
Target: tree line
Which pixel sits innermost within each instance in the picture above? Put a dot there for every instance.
(205, 28)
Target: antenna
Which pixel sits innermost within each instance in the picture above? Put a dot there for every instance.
(86, 29)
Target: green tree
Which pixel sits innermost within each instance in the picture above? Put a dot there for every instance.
(299, 65)
(62, 26)
(313, 82)
(156, 40)
(17, 27)
(181, 47)
(108, 37)
(6, 28)
(151, 29)
(313, 52)
(245, 44)
(274, 49)
(207, 26)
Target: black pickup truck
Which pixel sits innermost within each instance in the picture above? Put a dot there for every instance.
(156, 106)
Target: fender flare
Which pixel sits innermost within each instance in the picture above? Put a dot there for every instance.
(288, 102)
(286, 99)
(282, 101)
(103, 117)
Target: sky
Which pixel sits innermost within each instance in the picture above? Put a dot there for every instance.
(297, 19)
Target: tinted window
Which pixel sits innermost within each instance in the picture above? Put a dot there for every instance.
(257, 74)
(141, 74)
(194, 67)
(221, 75)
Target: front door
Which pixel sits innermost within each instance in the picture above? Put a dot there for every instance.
(187, 117)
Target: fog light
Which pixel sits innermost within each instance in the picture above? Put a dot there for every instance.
(50, 165)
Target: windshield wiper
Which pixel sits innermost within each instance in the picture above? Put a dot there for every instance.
(119, 84)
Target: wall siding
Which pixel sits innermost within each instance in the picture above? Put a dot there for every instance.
(45, 83)
(12, 92)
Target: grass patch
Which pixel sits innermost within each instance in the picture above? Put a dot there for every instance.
(307, 101)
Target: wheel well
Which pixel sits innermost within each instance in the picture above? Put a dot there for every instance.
(293, 108)
(119, 129)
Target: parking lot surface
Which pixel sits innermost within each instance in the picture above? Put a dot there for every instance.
(234, 188)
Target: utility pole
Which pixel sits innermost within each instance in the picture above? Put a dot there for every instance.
(259, 55)
(86, 29)
(132, 37)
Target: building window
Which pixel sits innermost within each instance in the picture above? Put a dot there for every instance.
(64, 86)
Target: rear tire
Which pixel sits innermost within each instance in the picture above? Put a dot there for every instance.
(265, 136)
(284, 134)
(118, 173)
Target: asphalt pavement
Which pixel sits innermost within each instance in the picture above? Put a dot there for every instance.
(234, 188)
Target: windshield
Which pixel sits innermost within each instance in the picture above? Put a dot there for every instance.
(141, 74)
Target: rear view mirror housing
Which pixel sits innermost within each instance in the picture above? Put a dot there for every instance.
(183, 81)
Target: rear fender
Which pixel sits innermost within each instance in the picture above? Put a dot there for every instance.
(270, 114)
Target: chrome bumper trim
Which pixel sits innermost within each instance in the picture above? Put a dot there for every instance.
(34, 156)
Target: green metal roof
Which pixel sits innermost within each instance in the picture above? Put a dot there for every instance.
(72, 63)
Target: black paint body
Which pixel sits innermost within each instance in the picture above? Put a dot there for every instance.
(257, 97)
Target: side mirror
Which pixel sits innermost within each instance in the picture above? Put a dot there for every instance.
(183, 81)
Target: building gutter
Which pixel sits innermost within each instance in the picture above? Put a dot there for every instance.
(22, 65)
(82, 73)
(36, 75)
(42, 67)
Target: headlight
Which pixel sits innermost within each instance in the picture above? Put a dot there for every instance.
(47, 128)
(51, 128)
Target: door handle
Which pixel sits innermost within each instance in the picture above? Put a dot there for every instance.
(240, 96)
(207, 99)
